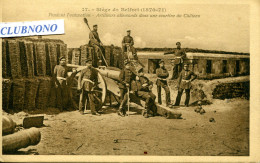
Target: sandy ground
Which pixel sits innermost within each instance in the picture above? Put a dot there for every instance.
(69, 133)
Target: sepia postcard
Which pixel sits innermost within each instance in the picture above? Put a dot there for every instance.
(130, 81)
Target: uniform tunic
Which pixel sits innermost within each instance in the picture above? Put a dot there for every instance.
(125, 77)
(162, 74)
(178, 63)
(87, 87)
(61, 88)
(184, 82)
(95, 41)
(94, 38)
(144, 92)
(129, 40)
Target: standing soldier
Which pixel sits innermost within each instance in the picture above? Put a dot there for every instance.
(88, 80)
(60, 75)
(126, 76)
(178, 61)
(184, 82)
(128, 42)
(162, 75)
(95, 41)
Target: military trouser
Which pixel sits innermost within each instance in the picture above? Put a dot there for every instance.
(176, 70)
(85, 95)
(123, 99)
(62, 95)
(132, 49)
(99, 50)
(167, 92)
(178, 98)
(149, 99)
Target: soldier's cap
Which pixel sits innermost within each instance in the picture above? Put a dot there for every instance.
(178, 43)
(88, 60)
(128, 31)
(95, 25)
(62, 57)
(161, 61)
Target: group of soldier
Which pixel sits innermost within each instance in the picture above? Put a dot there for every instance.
(132, 79)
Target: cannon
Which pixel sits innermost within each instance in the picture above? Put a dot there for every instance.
(108, 79)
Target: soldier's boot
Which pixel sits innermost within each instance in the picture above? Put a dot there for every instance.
(121, 111)
(146, 114)
(81, 111)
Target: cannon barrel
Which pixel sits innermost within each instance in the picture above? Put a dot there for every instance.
(21, 139)
(112, 73)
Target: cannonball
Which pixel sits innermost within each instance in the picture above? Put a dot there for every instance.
(212, 120)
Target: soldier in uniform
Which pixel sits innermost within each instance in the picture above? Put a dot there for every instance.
(126, 76)
(141, 87)
(184, 82)
(88, 80)
(129, 41)
(162, 75)
(178, 61)
(60, 75)
(95, 41)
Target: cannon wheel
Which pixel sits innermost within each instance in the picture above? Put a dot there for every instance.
(99, 93)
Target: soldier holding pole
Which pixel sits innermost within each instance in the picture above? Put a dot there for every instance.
(95, 41)
(126, 76)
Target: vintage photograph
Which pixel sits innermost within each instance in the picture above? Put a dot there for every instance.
(125, 79)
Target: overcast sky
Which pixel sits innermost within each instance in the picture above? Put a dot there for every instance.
(219, 27)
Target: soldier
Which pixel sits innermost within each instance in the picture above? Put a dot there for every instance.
(141, 87)
(184, 82)
(59, 76)
(146, 83)
(129, 41)
(162, 75)
(178, 61)
(95, 41)
(87, 82)
(126, 76)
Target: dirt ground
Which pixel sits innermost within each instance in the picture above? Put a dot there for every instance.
(69, 133)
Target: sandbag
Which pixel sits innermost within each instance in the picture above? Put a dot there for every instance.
(4, 64)
(75, 56)
(31, 87)
(17, 94)
(14, 56)
(6, 89)
(30, 59)
(83, 54)
(40, 58)
(23, 59)
(53, 56)
(43, 92)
